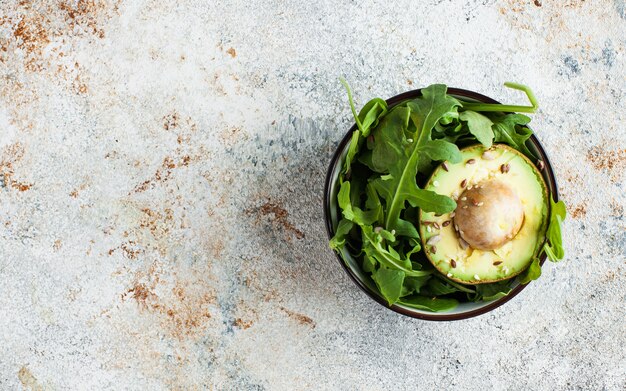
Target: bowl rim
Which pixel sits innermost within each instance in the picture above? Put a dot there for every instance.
(552, 192)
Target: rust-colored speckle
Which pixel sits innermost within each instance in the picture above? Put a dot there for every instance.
(280, 216)
(11, 155)
(537, 3)
(300, 318)
(242, 324)
(171, 121)
(613, 162)
(184, 311)
(579, 211)
(57, 245)
(232, 52)
(162, 174)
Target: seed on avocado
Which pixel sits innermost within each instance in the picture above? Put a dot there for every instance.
(463, 183)
(476, 277)
(444, 165)
(452, 214)
(436, 225)
(434, 239)
(496, 263)
(489, 155)
(445, 223)
(449, 275)
(433, 249)
(471, 161)
(540, 165)
(505, 168)
(453, 263)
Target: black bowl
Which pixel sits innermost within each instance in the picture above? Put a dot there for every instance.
(464, 310)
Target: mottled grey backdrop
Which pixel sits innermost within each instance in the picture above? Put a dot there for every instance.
(161, 175)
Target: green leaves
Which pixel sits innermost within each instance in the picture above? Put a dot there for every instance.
(433, 304)
(532, 273)
(389, 282)
(509, 129)
(554, 245)
(479, 125)
(379, 197)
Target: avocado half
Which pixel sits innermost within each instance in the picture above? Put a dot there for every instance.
(500, 220)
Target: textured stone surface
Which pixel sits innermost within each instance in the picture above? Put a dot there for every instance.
(161, 183)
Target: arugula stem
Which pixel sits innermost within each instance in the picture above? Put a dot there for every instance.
(477, 106)
(356, 117)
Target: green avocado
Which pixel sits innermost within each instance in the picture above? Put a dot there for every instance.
(500, 220)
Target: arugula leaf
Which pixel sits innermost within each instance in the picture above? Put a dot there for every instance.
(492, 291)
(355, 142)
(479, 125)
(442, 150)
(372, 245)
(400, 186)
(511, 129)
(354, 213)
(554, 245)
(339, 240)
(389, 282)
(478, 106)
(434, 304)
(532, 273)
(413, 285)
(390, 140)
(370, 114)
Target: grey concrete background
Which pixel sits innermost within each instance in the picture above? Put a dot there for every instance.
(161, 172)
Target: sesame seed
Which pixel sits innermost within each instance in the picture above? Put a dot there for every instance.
(489, 155)
(428, 228)
(461, 232)
(463, 182)
(444, 165)
(436, 225)
(476, 277)
(378, 229)
(471, 161)
(480, 204)
(506, 270)
(393, 231)
(463, 198)
(434, 239)
(445, 223)
(540, 165)
(436, 183)
(464, 206)
(496, 263)
(470, 187)
(453, 263)
(449, 275)
(505, 168)
(433, 249)
(409, 140)
(452, 214)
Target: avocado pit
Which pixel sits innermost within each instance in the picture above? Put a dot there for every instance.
(488, 215)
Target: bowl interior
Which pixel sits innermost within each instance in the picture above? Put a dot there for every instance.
(351, 265)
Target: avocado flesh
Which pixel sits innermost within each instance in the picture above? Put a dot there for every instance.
(473, 265)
